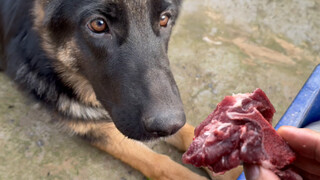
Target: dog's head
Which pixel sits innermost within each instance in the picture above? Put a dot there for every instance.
(119, 47)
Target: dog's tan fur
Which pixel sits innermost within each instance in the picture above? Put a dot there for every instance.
(66, 65)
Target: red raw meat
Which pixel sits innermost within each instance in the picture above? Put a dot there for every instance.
(240, 130)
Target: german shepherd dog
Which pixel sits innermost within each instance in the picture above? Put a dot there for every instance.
(102, 67)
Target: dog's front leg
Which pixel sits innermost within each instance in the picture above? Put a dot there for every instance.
(139, 156)
(183, 138)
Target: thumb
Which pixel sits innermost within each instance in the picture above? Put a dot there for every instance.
(255, 172)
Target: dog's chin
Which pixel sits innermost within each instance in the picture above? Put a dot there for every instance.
(148, 139)
(143, 136)
(138, 133)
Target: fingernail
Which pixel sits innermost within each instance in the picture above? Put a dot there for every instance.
(252, 172)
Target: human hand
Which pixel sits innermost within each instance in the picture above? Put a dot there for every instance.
(306, 144)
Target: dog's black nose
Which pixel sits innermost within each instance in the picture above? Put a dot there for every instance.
(164, 124)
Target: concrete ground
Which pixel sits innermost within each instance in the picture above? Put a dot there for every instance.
(218, 48)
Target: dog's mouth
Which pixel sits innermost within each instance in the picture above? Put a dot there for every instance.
(150, 136)
(146, 129)
(140, 134)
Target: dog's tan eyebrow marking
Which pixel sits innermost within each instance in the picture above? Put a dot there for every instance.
(111, 10)
(38, 14)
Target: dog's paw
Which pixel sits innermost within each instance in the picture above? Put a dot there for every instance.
(167, 169)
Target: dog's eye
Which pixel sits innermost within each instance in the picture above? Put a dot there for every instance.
(98, 26)
(164, 19)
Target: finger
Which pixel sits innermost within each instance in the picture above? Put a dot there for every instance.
(254, 172)
(303, 141)
(309, 165)
(266, 174)
(251, 171)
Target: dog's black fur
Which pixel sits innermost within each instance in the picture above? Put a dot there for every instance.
(47, 47)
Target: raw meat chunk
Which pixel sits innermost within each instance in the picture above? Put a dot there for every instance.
(239, 130)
